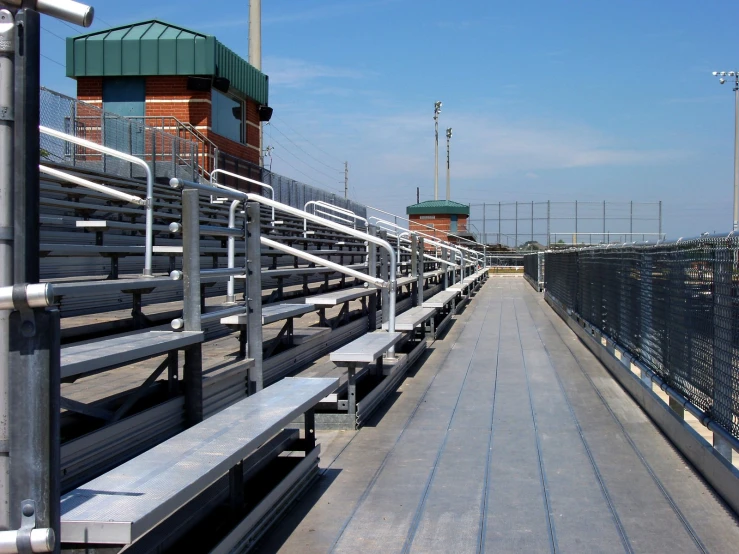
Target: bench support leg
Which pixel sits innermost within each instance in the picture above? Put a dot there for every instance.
(236, 487)
(372, 312)
(310, 430)
(193, 377)
(351, 390)
(172, 372)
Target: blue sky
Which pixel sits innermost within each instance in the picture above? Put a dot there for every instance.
(549, 100)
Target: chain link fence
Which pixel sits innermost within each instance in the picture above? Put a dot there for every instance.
(533, 269)
(531, 225)
(168, 155)
(674, 307)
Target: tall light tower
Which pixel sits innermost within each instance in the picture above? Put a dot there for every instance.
(437, 111)
(448, 177)
(735, 76)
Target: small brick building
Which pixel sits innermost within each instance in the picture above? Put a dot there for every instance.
(158, 71)
(445, 216)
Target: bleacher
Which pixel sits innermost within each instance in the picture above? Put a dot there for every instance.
(153, 365)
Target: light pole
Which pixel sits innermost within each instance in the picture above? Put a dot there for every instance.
(437, 111)
(734, 75)
(448, 180)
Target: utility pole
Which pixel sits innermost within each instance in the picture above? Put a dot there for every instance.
(346, 180)
(255, 55)
(437, 111)
(448, 175)
(418, 195)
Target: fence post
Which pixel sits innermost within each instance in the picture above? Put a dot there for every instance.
(484, 233)
(498, 222)
(153, 153)
(254, 296)
(532, 221)
(515, 241)
(549, 229)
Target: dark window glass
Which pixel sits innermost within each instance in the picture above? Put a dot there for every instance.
(228, 120)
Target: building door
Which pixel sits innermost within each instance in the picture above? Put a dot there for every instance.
(124, 96)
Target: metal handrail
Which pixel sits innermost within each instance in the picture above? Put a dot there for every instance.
(246, 179)
(342, 210)
(149, 206)
(177, 183)
(328, 206)
(93, 186)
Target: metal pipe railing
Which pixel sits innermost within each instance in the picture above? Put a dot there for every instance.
(342, 210)
(133, 199)
(241, 177)
(321, 261)
(149, 240)
(177, 183)
(334, 216)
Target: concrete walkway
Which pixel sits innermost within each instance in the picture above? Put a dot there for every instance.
(510, 437)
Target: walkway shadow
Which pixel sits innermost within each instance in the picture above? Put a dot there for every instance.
(282, 529)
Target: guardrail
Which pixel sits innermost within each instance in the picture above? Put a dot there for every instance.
(149, 205)
(674, 307)
(180, 184)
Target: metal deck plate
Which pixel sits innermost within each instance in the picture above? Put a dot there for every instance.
(367, 348)
(407, 321)
(83, 358)
(340, 296)
(126, 502)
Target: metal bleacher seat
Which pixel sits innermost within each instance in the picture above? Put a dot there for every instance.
(125, 503)
(91, 356)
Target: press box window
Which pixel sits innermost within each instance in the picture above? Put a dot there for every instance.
(227, 116)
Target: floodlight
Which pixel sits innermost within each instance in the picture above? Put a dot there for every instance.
(722, 81)
(715, 73)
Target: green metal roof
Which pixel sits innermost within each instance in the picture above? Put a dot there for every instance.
(440, 207)
(157, 48)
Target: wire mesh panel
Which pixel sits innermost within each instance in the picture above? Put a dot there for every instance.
(674, 307)
(168, 155)
(531, 266)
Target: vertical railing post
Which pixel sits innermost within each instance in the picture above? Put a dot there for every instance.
(372, 272)
(153, 152)
(414, 269)
(34, 406)
(193, 368)
(254, 296)
(385, 276)
(7, 156)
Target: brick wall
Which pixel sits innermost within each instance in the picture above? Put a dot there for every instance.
(169, 96)
(441, 224)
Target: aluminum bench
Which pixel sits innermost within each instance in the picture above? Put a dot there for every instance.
(92, 356)
(441, 299)
(126, 503)
(366, 349)
(272, 313)
(408, 321)
(337, 297)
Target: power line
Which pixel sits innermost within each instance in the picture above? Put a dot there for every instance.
(306, 153)
(53, 61)
(332, 177)
(306, 140)
(53, 33)
(302, 173)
